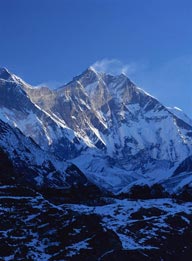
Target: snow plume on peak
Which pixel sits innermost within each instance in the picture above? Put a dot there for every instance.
(52, 85)
(176, 108)
(114, 67)
(180, 114)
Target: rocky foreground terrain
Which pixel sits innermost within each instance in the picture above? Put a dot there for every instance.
(33, 228)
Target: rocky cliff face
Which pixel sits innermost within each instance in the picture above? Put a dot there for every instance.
(19, 111)
(114, 115)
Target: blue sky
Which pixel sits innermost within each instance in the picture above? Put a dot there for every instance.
(50, 41)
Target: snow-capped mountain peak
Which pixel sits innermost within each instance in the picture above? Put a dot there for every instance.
(5, 74)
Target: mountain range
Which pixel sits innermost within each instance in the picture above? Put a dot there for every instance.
(113, 131)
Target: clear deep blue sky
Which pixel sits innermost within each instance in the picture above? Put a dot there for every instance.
(50, 41)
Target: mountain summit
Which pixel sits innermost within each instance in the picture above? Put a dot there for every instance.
(4, 74)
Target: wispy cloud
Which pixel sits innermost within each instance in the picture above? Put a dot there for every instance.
(50, 84)
(114, 66)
